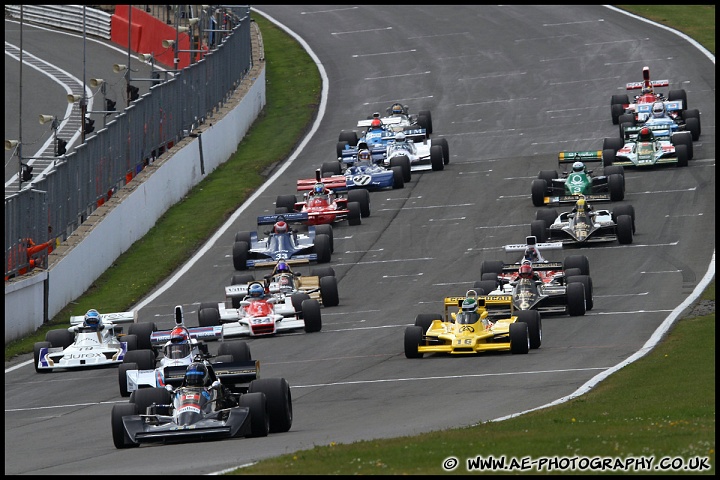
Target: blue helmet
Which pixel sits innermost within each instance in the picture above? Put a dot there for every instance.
(283, 267)
(196, 375)
(92, 319)
(319, 189)
(256, 290)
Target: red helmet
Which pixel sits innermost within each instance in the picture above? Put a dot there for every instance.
(179, 335)
(526, 271)
(281, 227)
(645, 131)
(376, 123)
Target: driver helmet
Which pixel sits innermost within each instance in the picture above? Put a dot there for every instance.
(658, 110)
(196, 375)
(256, 290)
(578, 167)
(319, 188)
(646, 90)
(179, 346)
(469, 305)
(397, 109)
(281, 227)
(364, 156)
(283, 267)
(580, 204)
(399, 137)
(526, 271)
(645, 132)
(376, 124)
(531, 254)
(92, 319)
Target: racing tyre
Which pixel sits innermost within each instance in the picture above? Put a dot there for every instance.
(350, 137)
(534, 323)
(237, 279)
(297, 300)
(322, 272)
(519, 338)
(693, 126)
(413, 339)
(329, 291)
(576, 304)
(311, 315)
(608, 157)
(569, 272)
(145, 397)
(624, 126)
(354, 215)
(683, 138)
(213, 305)
(243, 237)
(425, 121)
(424, 320)
(120, 437)
(484, 287)
(330, 168)
(131, 341)
(678, 95)
(547, 214)
(239, 351)
(143, 331)
(240, 253)
(326, 230)
(445, 148)
(144, 359)
(491, 266)
(223, 359)
(627, 118)
(36, 355)
(122, 376)
(624, 210)
(436, 158)
(615, 170)
(620, 98)
(208, 317)
(323, 248)
(279, 401)
(259, 418)
(489, 276)
(613, 143)
(286, 201)
(60, 338)
(616, 110)
(588, 287)
(682, 155)
(339, 149)
(548, 176)
(398, 179)
(580, 262)
(624, 229)
(539, 229)
(362, 197)
(538, 191)
(402, 161)
(616, 186)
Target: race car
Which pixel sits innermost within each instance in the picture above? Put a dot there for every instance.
(281, 243)
(88, 344)
(474, 324)
(667, 118)
(351, 172)
(324, 205)
(620, 104)
(284, 283)
(539, 284)
(398, 119)
(262, 313)
(213, 401)
(642, 149)
(425, 155)
(178, 346)
(553, 188)
(584, 225)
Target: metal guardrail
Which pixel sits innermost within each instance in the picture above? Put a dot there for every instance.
(68, 17)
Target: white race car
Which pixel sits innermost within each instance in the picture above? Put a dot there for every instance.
(261, 314)
(83, 345)
(178, 347)
(424, 155)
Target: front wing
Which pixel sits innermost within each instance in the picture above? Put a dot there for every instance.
(73, 357)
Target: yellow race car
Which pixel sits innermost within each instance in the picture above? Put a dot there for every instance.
(474, 324)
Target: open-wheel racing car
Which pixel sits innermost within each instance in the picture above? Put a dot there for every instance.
(262, 313)
(474, 324)
(178, 346)
(425, 155)
(551, 188)
(539, 284)
(92, 340)
(213, 401)
(324, 205)
(282, 243)
(584, 225)
(642, 148)
(359, 171)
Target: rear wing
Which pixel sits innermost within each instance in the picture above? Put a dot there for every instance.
(199, 333)
(514, 267)
(114, 318)
(271, 262)
(584, 156)
(288, 217)
(531, 241)
(335, 182)
(660, 131)
(653, 83)
(229, 373)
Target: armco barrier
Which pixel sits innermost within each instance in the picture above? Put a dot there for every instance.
(132, 211)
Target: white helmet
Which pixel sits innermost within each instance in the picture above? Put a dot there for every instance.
(658, 109)
(400, 137)
(578, 167)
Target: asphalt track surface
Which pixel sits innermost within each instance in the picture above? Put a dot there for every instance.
(508, 86)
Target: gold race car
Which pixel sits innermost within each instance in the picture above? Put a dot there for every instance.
(474, 324)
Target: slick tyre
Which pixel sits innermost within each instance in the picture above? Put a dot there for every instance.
(279, 402)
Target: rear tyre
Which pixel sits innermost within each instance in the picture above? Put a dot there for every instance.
(143, 331)
(240, 253)
(329, 291)
(538, 190)
(239, 351)
(208, 317)
(576, 304)
(279, 402)
(534, 323)
(144, 359)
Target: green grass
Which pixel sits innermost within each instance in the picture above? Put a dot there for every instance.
(661, 405)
